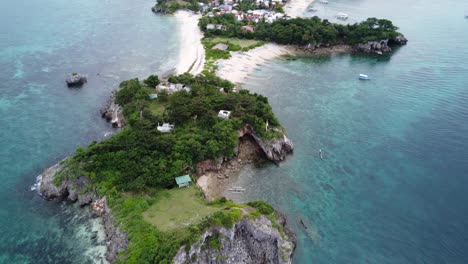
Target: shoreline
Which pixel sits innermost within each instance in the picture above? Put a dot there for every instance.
(296, 8)
(241, 64)
(191, 56)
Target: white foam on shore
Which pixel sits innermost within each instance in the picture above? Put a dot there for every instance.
(36, 185)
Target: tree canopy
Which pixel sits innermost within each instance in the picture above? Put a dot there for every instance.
(303, 31)
(140, 156)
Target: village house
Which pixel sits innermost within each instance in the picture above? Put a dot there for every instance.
(224, 114)
(165, 128)
(172, 88)
(183, 181)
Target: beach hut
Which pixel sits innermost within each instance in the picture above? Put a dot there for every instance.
(183, 181)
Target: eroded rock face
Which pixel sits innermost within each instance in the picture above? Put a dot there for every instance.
(76, 80)
(374, 47)
(382, 46)
(77, 190)
(276, 150)
(249, 241)
(113, 113)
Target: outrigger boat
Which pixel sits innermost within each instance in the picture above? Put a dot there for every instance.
(236, 189)
(363, 77)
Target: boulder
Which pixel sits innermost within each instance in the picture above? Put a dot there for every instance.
(76, 80)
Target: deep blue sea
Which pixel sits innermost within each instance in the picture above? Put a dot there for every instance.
(392, 186)
(42, 121)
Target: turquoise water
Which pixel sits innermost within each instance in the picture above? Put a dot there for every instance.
(42, 121)
(391, 187)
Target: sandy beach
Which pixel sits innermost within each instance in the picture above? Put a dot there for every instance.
(192, 54)
(296, 8)
(241, 64)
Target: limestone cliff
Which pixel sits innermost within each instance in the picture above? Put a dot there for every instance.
(113, 113)
(275, 149)
(248, 241)
(78, 189)
(380, 47)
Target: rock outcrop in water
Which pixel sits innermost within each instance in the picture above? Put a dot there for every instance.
(275, 150)
(160, 10)
(382, 46)
(76, 80)
(75, 190)
(248, 241)
(78, 190)
(113, 113)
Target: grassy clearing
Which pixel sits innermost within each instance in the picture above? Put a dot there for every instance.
(157, 107)
(178, 208)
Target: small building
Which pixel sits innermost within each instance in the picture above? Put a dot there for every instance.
(248, 28)
(165, 128)
(220, 46)
(183, 181)
(210, 26)
(153, 96)
(224, 114)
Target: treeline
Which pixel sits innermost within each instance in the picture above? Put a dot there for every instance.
(303, 31)
(141, 157)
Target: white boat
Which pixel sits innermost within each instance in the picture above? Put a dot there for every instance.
(237, 189)
(363, 77)
(342, 16)
(324, 2)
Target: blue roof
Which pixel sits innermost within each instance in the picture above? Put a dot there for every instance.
(183, 179)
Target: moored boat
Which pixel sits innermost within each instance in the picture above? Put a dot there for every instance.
(363, 77)
(342, 16)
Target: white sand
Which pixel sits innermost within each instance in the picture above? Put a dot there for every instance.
(296, 8)
(237, 68)
(192, 54)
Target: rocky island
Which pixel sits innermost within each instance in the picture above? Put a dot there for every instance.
(123, 177)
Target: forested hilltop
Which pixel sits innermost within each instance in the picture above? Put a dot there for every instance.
(140, 156)
(302, 31)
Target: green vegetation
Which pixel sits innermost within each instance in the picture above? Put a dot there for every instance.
(178, 208)
(152, 81)
(302, 31)
(135, 168)
(234, 44)
(170, 6)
